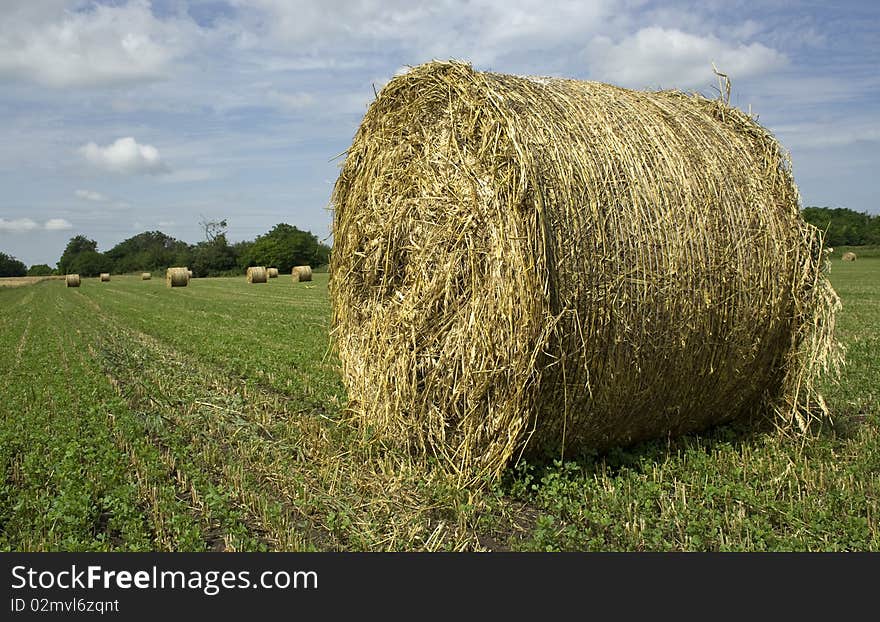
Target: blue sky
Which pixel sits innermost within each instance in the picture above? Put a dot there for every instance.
(126, 116)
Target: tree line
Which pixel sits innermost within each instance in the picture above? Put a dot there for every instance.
(844, 227)
(283, 247)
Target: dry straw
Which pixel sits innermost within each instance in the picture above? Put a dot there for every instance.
(301, 273)
(257, 274)
(177, 277)
(551, 264)
(72, 280)
(105, 276)
(146, 276)
(849, 256)
(273, 273)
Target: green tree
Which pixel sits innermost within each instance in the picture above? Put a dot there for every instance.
(76, 246)
(213, 257)
(10, 266)
(242, 250)
(149, 251)
(873, 234)
(844, 227)
(286, 246)
(39, 269)
(90, 263)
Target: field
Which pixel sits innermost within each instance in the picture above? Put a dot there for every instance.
(862, 252)
(211, 417)
(18, 281)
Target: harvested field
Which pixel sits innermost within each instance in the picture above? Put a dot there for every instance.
(255, 450)
(18, 281)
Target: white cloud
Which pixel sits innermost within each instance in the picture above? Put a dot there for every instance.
(57, 224)
(290, 101)
(125, 156)
(745, 30)
(487, 32)
(166, 223)
(670, 58)
(90, 195)
(97, 45)
(188, 175)
(481, 32)
(828, 132)
(323, 62)
(18, 225)
(308, 21)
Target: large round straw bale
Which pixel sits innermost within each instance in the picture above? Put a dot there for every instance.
(189, 273)
(177, 277)
(273, 273)
(849, 256)
(105, 276)
(541, 263)
(301, 273)
(72, 280)
(257, 274)
(146, 276)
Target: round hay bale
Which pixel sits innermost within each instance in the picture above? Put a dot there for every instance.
(257, 274)
(301, 273)
(548, 264)
(72, 280)
(849, 256)
(177, 277)
(273, 273)
(105, 277)
(146, 276)
(189, 273)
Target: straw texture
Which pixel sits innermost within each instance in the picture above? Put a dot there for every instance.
(257, 274)
(273, 273)
(146, 276)
(301, 273)
(105, 277)
(849, 256)
(72, 280)
(177, 277)
(557, 265)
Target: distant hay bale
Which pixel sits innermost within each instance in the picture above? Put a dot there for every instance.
(105, 276)
(257, 274)
(146, 276)
(72, 280)
(849, 256)
(542, 264)
(273, 273)
(177, 277)
(301, 273)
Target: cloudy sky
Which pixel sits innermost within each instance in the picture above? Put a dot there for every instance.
(118, 117)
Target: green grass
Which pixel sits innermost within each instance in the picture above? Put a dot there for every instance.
(137, 417)
(862, 252)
